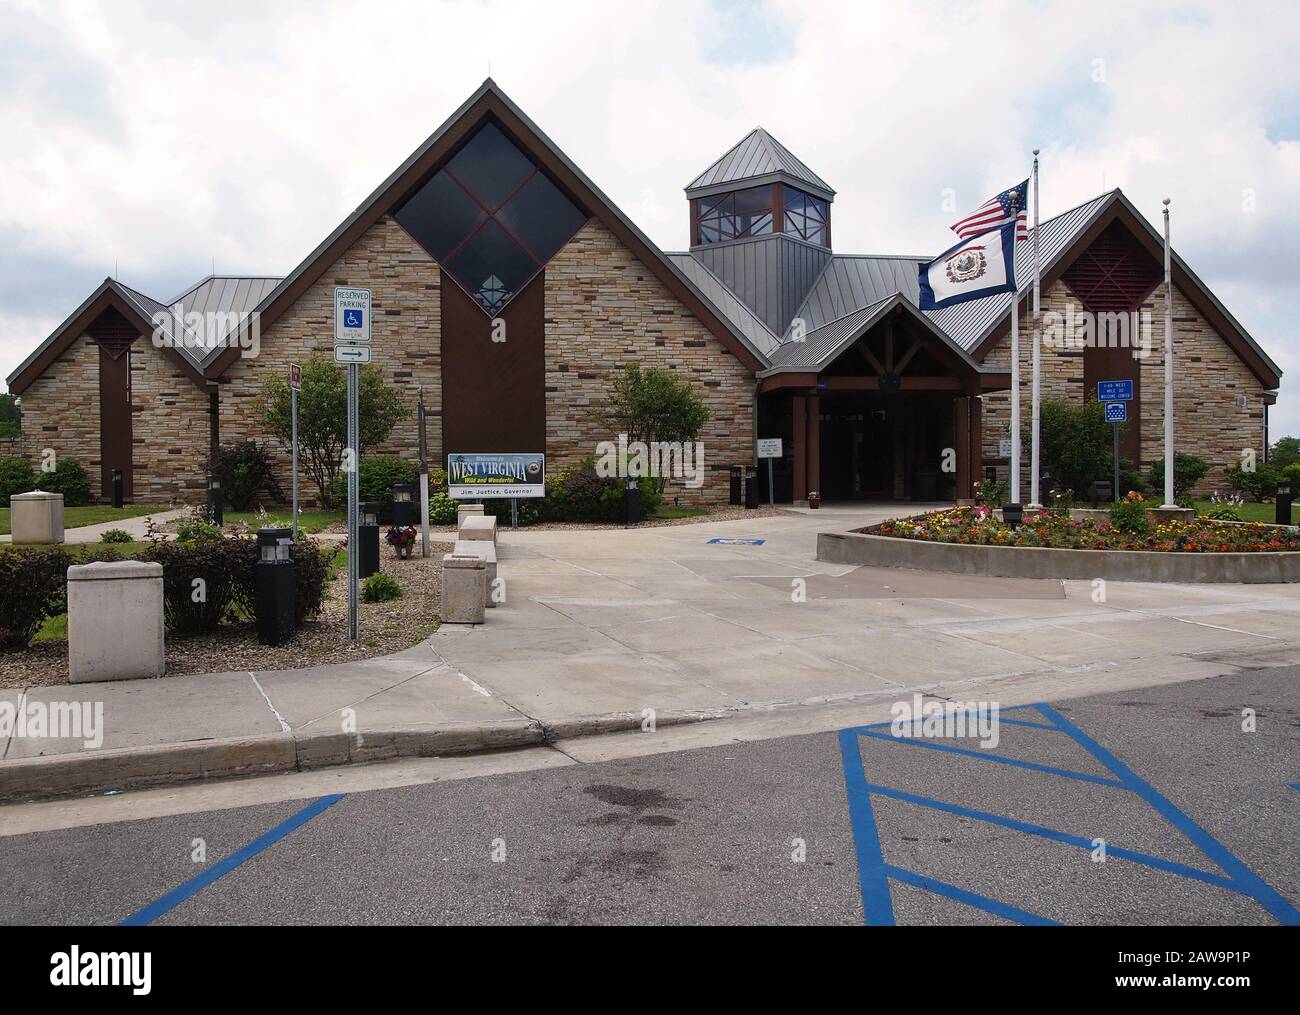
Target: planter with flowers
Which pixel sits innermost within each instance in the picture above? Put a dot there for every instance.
(402, 540)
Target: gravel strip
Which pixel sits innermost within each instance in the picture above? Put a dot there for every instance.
(385, 628)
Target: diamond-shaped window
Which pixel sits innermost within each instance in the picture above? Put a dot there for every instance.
(491, 218)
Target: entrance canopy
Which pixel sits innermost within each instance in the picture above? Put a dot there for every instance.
(879, 404)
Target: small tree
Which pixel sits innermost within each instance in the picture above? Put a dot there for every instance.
(1188, 471)
(323, 416)
(1074, 442)
(1285, 452)
(653, 405)
(10, 416)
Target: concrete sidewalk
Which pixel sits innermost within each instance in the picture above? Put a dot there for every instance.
(138, 527)
(605, 630)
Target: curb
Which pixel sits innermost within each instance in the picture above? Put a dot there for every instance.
(130, 768)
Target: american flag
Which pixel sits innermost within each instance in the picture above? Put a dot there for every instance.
(996, 212)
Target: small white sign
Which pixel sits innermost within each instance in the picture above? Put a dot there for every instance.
(352, 353)
(1004, 447)
(351, 316)
(769, 447)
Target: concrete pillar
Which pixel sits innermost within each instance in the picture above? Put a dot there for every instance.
(464, 589)
(36, 517)
(463, 511)
(976, 440)
(115, 621)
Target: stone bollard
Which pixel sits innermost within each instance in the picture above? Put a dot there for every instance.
(488, 551)
(464, 589)
(36, 517)
(463, 511)
(115, 621)
(479, 527)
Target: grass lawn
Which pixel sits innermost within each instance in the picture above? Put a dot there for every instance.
(91, 514)
(679, 512)
(1249, 512)
(309, 522)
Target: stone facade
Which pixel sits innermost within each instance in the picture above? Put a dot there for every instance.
(406, 336)
(61, 411)
(169, 429)
(604, 310)
(1208, 377)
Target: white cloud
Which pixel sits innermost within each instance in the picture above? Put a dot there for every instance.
(163, 141)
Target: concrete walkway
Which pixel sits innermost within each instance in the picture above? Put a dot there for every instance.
(606, 629)
(137, 527)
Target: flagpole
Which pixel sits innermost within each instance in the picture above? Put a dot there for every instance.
(1014, 477)
(1035, 500)
(1169, 370)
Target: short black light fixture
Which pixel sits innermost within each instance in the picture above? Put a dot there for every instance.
(1100, 490)
(751, 487)
(632, 491)
(215, 506)
(118, 488)
(1013, 515)
(367, 539)
(737, 479)
(274, 587)
(403, 508)
(1282, 503)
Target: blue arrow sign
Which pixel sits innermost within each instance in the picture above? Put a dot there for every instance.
(1116, 412)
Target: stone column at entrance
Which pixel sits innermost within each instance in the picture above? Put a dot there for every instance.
(798, 418)
(814, 426)
(961, 416)
(976, 445)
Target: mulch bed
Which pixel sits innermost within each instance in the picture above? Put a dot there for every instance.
(385, 628)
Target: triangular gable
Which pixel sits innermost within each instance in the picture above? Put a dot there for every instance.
(109, 295)
(490, 102)
(1118, 208)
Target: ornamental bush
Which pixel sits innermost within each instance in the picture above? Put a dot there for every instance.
(203, 581)
(380, 588)
(246, 470)
(442, 509)
(69, 479)
(375, 483)
(16, 476)
(1188, 471)
(31, 588)
(1130, 515)
(1257, 484)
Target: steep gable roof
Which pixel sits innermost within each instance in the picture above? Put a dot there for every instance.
(758, 158)
(490, 102)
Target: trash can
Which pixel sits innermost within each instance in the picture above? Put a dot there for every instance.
(275, 589)
(367, 549)
(751, 488)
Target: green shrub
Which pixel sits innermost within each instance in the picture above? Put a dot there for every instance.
(529, 512)
(580, 495)
(194, 528)
(375, 483)
(16, 476)
(1130, 515)
(311, 563)
(224, 567)
(67, 478)
(1188, 471)
(32, 583)
(442, 509)
(1291, 474)
(379, 588)
(1285, 452)
(992, 493)
(1259, 484)
(115, 536)
(246, 469)
(1075, 443)
(1224, 513)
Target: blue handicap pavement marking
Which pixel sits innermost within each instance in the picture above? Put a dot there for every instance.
(734, 541)
(875, 874)
(166, 903)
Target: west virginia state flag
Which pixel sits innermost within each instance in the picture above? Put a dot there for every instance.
(976, 267)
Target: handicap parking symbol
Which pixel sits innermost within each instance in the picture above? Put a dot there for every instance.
(352, 319)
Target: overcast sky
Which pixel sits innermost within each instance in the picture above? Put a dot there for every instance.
(156, 140)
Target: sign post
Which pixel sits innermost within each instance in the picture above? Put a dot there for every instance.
(352, 347)
(770, 448)
(295, 382)
(424, 476)
(1115, 395)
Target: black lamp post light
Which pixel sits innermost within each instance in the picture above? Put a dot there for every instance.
(1282, 504)
(632, 489)
(403, 508)
(1013, 515)
(275, 588)
(215, 507)
(367, 549)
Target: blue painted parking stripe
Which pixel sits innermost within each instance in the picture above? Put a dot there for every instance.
(983, 902)
(196, 884)
(1250, 882)
(1032, 766)
(1159, 863)
(877, 903)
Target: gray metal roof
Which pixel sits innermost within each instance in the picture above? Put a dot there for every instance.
(849, 283)
(737, 314)
(823, 344)
(758, 156)
(226, 294)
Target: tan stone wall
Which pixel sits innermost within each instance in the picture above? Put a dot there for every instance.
(61, 411)
(169, 429)
(1208, 377)
(604, 310)
(406, 335)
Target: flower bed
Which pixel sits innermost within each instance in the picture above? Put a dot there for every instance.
(979, 526)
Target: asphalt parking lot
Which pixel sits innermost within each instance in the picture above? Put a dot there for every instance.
(1200, 822)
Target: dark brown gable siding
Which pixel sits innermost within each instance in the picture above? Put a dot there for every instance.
(493, 393)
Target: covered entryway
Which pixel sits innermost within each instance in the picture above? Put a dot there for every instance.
(880, 405)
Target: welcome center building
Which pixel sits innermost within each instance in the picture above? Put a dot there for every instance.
(782, 337)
